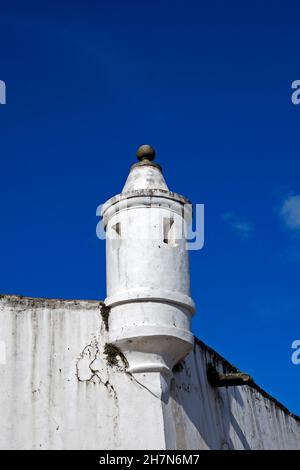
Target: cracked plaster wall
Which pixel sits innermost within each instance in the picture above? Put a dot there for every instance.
(58, 392)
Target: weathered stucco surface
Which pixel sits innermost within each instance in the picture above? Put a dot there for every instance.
(58, 392)
(241, 417)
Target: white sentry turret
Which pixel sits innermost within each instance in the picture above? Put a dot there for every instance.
(148, 278)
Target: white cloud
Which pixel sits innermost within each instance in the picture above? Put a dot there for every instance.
(290, 212)
(244, 228)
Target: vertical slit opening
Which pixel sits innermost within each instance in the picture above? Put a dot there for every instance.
(116, 235)
(117, 228)
(168, 231)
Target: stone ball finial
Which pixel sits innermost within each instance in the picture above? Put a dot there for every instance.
(145, 152)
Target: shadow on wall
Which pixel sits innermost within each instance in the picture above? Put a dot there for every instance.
(211, 411)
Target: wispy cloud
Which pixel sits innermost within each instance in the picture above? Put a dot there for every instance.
(241, 226)
(290, 212)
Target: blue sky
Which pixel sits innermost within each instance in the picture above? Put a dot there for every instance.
(208, 84)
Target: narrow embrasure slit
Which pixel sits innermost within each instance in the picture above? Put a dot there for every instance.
(169, 231)
(117, 228)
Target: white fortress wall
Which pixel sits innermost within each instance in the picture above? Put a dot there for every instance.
(59, 390)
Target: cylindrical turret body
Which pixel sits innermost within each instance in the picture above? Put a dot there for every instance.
(148, 280)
